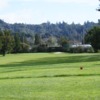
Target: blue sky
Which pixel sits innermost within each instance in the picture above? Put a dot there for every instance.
(39, 11)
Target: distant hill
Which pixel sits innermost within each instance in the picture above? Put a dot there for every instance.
(74, 32)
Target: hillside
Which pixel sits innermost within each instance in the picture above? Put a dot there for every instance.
(74, 32)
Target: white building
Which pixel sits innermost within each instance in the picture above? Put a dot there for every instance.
(81, 45)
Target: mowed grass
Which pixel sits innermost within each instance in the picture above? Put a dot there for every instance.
(50, 76)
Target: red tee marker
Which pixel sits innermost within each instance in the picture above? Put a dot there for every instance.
(81, 68)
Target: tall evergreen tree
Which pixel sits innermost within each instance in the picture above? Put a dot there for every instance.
(0, 41)
(37, 39)
(7, 42)
(93, 37)
(17, 46)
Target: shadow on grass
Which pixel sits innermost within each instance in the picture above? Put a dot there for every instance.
(5, 71)
(53, 76)
(55, 60)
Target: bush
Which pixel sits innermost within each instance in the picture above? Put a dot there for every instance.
(80, 49)
(25, 48)
(39, 48)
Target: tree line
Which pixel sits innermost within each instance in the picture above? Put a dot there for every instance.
(12, 43)
(54, 37)
(74, 32)
(16, 43)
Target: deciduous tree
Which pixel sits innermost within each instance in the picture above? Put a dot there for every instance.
(7, 41)
(17, 43)
(93, 37)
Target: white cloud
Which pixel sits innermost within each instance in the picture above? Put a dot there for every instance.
(23, 16)
(60, 1)
(74, 1)
(39, 15)
(4, 4)
(19, 16)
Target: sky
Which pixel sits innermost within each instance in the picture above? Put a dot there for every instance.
(54, 11)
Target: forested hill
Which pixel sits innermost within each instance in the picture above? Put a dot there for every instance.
(74, 32)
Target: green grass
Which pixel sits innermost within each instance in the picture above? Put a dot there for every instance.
(50, 76)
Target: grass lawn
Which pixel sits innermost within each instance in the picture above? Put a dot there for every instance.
(50, 76)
